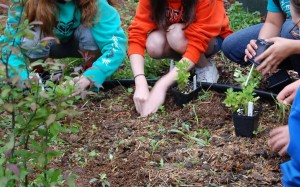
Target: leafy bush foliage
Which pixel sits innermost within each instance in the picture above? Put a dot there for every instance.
(30, 121)
(240, 18)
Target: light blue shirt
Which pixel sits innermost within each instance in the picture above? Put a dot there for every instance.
(284, 4)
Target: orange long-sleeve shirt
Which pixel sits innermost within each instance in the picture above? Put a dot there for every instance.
(210, 21)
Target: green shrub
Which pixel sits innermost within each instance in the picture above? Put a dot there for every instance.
(240, 18)
(30, 122)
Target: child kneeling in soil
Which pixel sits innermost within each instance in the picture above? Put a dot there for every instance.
(188, 30)
(92, 27)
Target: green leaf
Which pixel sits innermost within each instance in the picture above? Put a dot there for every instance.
(51, 119)
(54, 175)
(33, 106)
(199, 141)
(5, 92)
(177, 131)
(8, 107)
(3, 181)
(37, 63)
(56, 128)
(52, 154)
(71, 180)
(16, 79)
(41, 160)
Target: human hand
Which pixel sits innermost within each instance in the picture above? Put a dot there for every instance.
(280, 140)
(155, 100)
(81, 83)
(250, 50)
(141, 93)
(287, 95)
(274, 55)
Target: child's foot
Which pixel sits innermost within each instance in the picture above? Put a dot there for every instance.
(279, 140)
(208, 73)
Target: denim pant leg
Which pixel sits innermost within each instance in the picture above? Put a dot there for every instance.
(235, 44)
(82, 40)
(285, 29)
(33, 49)
(217, 46)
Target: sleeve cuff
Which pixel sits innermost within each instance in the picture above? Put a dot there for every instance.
(95, 75)
(136, 49)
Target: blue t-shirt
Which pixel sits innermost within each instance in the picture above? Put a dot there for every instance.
(291, 169)
(285, 6)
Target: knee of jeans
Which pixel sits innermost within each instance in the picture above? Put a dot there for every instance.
(285, 29)
(35, 50)
(85, 38)
(226, 48)
(233, 54)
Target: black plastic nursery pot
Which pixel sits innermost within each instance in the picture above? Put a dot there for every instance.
(182, 97)
(278, 81)
(245, 125)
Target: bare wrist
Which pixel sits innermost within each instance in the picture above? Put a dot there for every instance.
(139, 75)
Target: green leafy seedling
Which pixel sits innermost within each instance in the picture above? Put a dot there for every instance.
(183, 74)
(239, 100)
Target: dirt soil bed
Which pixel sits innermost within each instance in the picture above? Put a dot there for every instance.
(135, 151)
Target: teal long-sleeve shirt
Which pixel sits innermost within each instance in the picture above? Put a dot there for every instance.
(106, 30)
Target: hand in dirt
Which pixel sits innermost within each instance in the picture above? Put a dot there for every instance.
(81, 83)
(287, 95)
(141, 93)
(279, 140)
(250, 50)
(274, 55)
(155, 100)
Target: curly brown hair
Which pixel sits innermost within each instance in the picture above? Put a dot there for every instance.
(44, 11)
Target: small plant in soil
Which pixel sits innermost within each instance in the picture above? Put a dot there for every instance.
(242, 103)
(183, 77)
(101, 180)
(282, 111)
(238, 101)
(186, 90)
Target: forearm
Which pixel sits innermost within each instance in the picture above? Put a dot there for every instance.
(137, 66)
(269, 30)
(272, 25)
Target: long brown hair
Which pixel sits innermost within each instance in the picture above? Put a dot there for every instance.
(296, 5)
(158, 10)
(44, 11)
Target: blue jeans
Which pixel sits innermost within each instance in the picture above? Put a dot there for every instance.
(217, 46)
(235, 44)
(82, 39)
